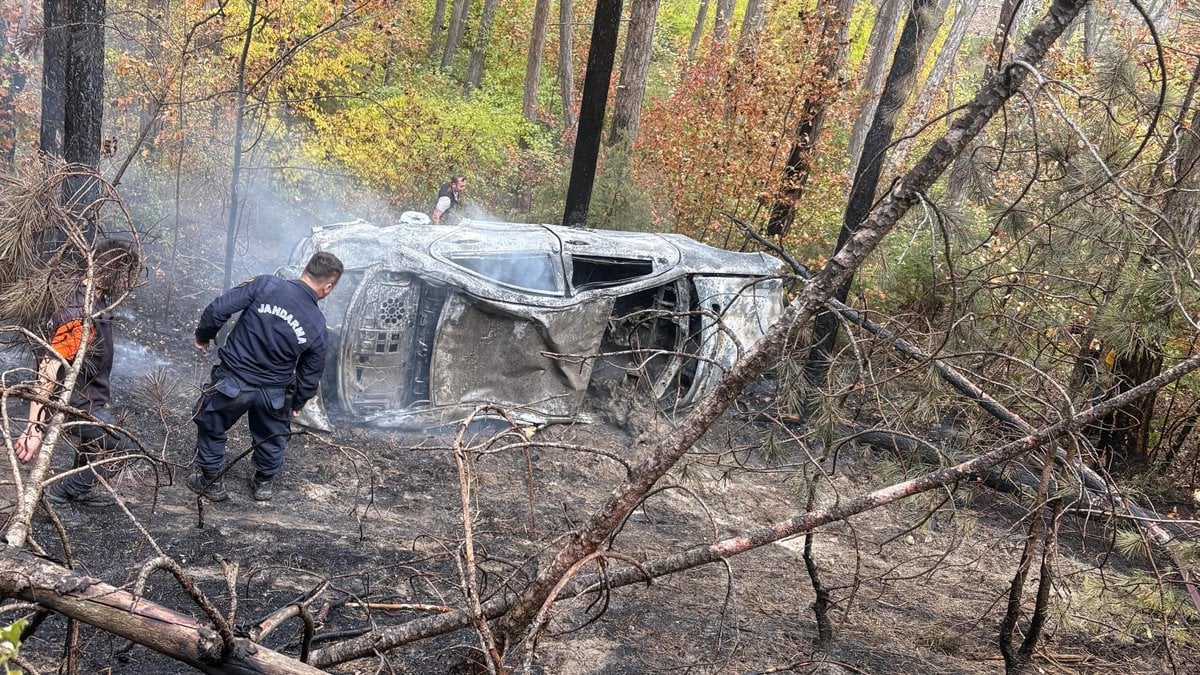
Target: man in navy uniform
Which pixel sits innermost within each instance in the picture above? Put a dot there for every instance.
(270, 367)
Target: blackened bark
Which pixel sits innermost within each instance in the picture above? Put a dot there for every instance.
(566, 61)
(635, 65)
(963, 15)
(55, 47)
(458, 23)
(533, 64)
(83, 112)
(475, 70)
(834, 33)
(586, 539)
(601, 53)
(915, 38)
(879, 45)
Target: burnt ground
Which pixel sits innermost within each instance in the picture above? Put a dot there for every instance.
(377, 515)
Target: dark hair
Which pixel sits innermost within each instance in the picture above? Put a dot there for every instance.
(116, 260)
(457, 177)
(324, 266)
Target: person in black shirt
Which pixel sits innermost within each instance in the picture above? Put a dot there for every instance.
(449, 196)
(270, 367)
(116, 266)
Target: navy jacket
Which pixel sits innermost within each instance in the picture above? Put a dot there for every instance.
(280, 338)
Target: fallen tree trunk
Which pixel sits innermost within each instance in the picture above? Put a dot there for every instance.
(28, 577)
(395, 636)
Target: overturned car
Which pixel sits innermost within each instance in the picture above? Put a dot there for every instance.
(431, 324)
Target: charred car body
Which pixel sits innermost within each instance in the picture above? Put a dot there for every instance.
(432, 323)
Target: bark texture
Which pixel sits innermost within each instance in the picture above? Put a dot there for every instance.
(533, 64)
(34, 579)
(635, 66)
(918, 32)
(454, 34)
(475, 70)
(566, 61)
(601, 54)
(879, 46)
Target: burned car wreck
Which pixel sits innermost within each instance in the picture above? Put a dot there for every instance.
(431, 324)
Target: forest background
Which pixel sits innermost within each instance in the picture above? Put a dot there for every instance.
(1053, 263)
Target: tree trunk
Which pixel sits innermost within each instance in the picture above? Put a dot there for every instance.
(914, 41)
(34, 579)
(533, 65)
(475, 70)
(635, 65)
(723, 21)
(436, 28)
(458, 23)
(55, 48)
(235, 178)
(772, 347)
(879, 46)
(834, 33)
(698, 30)
(601, 53)
(83, 111)
(12, 69)
(566, 61)
(753, 22)
(963, 15)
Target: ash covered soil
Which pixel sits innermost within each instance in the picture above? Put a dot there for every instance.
(377, 516)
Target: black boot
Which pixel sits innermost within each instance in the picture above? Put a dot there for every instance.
(208, 485)
(261, 488)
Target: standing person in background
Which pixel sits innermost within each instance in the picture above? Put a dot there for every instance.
(117, 266)
(270, 367)
(449, 196)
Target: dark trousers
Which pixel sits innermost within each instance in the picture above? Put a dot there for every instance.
(224, 400)
(93, 443)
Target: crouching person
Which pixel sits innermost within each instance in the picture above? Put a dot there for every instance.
(270, 367)
(116, 266)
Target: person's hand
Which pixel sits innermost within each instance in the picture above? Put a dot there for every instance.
(28, 443)
(202, 346)
(295, 413)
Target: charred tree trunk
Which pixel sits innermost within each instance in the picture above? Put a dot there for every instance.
(914, 40)
(458, 24)
(83, 111)
(566, 61)
(963, 14)
(533, 64)
(834, 32)
(586, 539)
(55, 48)
(879, 46)
(635, 65)
(601, 53)
(475, 70)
